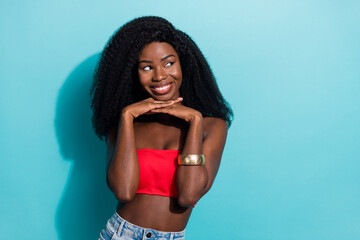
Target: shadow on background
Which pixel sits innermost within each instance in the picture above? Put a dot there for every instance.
(86, 202)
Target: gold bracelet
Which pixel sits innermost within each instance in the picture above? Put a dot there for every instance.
(191, 159)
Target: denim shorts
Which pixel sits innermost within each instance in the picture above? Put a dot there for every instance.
(118, 228)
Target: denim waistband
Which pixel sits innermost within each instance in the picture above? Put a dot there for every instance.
(145, 233)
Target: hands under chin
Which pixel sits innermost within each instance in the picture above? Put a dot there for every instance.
(171, 107)
(180, 111)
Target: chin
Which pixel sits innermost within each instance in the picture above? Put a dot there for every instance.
(163, 97)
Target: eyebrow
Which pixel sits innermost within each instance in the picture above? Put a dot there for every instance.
(162, 59)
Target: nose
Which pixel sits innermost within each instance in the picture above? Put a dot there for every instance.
(159, 74)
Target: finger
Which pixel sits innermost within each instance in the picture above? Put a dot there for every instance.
(162, 110)
(157, 101)
(148, 112)
(169, 102)
(161, 105)
(178, 100)
(160, 101)
(168, 110)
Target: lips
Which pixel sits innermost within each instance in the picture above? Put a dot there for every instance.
(161, 88)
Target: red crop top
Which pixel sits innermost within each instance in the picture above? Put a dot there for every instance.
(157, 172)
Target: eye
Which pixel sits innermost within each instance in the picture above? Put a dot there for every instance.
(146, 68)
(169, 64)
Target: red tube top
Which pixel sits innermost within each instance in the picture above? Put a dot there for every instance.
(157, 172)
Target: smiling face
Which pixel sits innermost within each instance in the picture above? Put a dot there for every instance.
(160, 71)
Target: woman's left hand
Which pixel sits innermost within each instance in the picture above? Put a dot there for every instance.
(180, 111)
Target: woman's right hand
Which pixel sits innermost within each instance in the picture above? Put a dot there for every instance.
(145, 106)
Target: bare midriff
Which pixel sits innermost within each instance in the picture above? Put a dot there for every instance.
(155, 212)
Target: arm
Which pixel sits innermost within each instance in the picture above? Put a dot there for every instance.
(194, 181)
(123, 165)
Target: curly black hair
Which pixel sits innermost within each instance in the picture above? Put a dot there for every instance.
(116, 82)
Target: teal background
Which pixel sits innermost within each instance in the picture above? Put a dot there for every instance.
(290, 69)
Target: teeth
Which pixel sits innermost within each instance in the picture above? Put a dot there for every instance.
(163, 87)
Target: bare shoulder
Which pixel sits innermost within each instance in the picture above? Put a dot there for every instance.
(214, 125)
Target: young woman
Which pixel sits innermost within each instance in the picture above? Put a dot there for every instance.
(156, 103)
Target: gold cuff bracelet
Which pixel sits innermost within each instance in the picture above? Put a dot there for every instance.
(191, 159)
